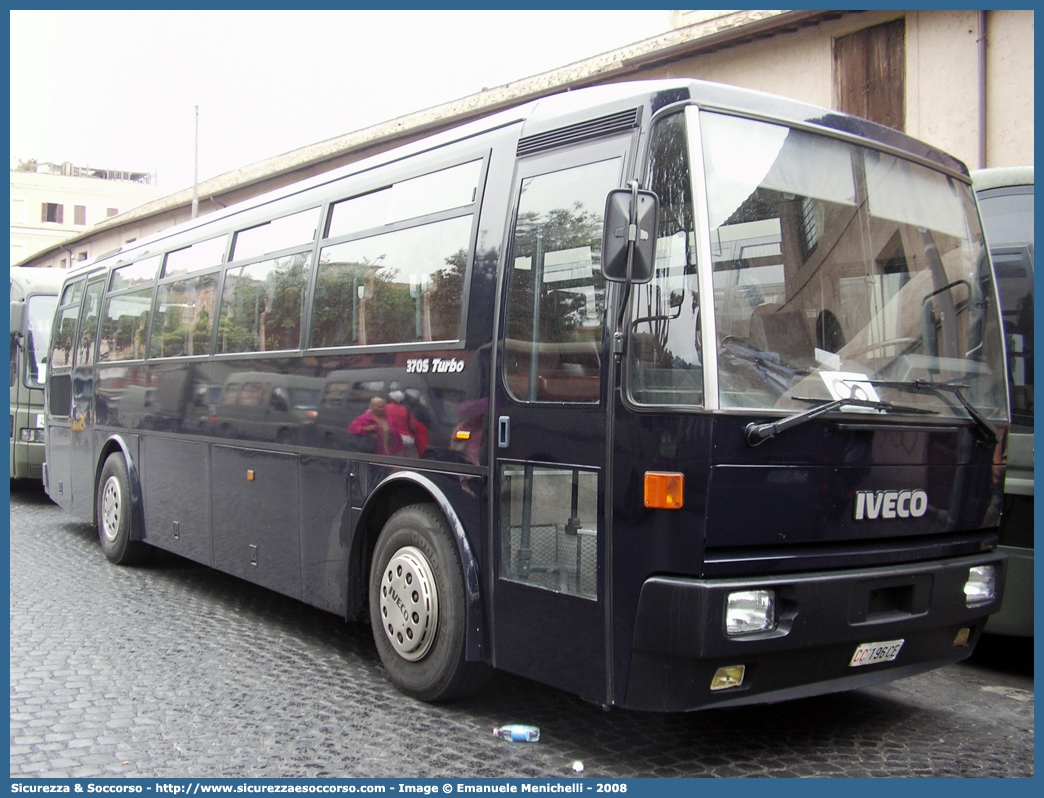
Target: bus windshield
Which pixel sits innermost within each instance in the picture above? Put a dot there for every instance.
(838, 272)
(38, 335)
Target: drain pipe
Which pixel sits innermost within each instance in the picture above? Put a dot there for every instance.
(982, 89)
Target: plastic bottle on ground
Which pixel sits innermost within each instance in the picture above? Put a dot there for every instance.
(518, 733)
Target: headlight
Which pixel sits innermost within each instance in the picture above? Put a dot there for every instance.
(981, 587)
(750, 611)
(31, 435)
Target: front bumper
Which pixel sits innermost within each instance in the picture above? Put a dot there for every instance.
(680, 640)
(1016, 613)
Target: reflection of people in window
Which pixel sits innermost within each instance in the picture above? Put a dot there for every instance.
(375, 422)
(414, 433)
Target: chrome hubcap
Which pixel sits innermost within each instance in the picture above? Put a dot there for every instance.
(409, 603)
(112, 505)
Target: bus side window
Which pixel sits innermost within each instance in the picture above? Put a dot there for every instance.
(125, 324)
(183, 317)
(399, 287)
(279, 234)
(261, 305)
(89, 325)
(63, 345)
(556, 302)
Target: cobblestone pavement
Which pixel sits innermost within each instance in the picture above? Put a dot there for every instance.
(175, 670)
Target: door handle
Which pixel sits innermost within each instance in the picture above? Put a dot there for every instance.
(503, 432)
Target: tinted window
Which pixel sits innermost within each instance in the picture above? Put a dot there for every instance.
(1008, 216)
(89, 325)
(261, 305)
(137, 273)
(393, 288)
(125, 323)
(62, 340)
(557, 297)
(184, 317)
(431, 193)
(72, 293)
(290, 231)
(203, 255)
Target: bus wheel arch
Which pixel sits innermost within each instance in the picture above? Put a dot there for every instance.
(117, 506)
(117, 444)
(407, 491)
(418, 607)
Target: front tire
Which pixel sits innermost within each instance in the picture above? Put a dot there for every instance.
(417, 607)
(114, 515)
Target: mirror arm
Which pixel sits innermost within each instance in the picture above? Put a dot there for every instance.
(632, 240)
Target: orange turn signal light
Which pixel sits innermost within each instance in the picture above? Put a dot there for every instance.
(663, 490)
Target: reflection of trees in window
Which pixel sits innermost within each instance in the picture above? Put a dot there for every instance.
(63, 339)
(124, 325)
(389, 312)
(335, 311)
(261, 306)
(562, 310)
(446, 294)
(385, 289)
(89, 326)
(362, 303)
(669, 178)
(182, 323)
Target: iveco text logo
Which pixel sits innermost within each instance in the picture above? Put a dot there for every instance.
(890, 504)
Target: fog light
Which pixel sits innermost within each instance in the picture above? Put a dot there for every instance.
(962, 638)
(981, 587)
(729, 676)
(750, 611)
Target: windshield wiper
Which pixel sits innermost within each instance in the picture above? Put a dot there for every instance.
(759, 433)
(986, 429)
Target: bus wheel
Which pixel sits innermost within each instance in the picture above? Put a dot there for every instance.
(417, 607)
(114, 515)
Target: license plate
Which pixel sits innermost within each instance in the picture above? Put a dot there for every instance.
(872, 653)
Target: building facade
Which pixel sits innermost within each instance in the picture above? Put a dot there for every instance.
(51, 203)
(959, 80)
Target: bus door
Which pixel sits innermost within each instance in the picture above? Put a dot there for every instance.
(81, 459)
(549, 419)
(59, 392)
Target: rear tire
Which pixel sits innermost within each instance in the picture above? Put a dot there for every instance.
(115, 513)
(418, 609)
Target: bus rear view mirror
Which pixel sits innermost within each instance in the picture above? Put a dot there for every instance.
(17, 317)
(630, 235)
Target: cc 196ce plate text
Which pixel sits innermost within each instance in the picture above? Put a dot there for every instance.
(872, 653)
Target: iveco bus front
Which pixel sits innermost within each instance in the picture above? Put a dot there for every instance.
(818, 350)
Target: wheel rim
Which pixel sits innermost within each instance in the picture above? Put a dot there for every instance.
(409, 603)
(112, 505)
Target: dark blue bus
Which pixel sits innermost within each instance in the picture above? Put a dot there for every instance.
(669, 394)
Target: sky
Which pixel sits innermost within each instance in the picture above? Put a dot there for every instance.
(118, 89)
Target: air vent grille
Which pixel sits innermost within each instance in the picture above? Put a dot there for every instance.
(591, 129)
